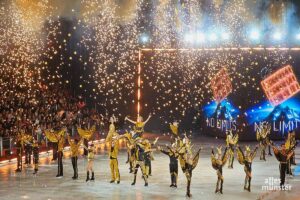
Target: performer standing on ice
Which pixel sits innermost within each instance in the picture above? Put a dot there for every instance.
(218, 161)
(59, 138)
(231, 141)
(173, 166)
(113, 138)
(246, 160)
(90, 165)
(290, 145)
(74, 147)
(35, 150)
(262, 136)
(139, 161)
(282, 155)
(188, 161)
(138, 125)
(148, 155)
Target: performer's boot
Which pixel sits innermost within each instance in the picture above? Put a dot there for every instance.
(217, 187)
(270, 154)
(93, 177)
(87, 176)
(134, 180)
(172, 180)
(146, 181)
(249, 184)
(221, 188)
(130, 167)
(245, 184)
(232, 162)
(188, 192)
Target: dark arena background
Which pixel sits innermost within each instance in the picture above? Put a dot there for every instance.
(194, 70)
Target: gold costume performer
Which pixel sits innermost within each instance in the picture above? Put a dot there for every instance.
(130, 151)
(21, 139)
(138, 125)
(290, 145)
(218, 161)
(246, 160)
(148, 156)
(262, 136)
(90, 165)
(139, 159)
(74, 147)
(59, 138)
(113, 139)
(231, 141)
(187, 160)
(35, 150)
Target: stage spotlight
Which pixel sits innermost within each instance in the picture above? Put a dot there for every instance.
(225, 36)
(277, 35)
(189, 37)
(213, 37)
(200, 37)
(298, 36)
(144, 38)
(254, 35)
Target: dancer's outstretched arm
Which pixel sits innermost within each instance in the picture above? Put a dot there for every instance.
(127, 119)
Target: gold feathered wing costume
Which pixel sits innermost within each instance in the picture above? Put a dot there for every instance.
(86, 134)
(240, 156)
(52, 136)
(174, 129)
(215, 162)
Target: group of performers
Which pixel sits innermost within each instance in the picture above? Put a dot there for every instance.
(140, 153)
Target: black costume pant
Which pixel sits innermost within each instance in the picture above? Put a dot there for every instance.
(282, 169)
(19, 160)
(60, 164)
(28, 156)
(289, 167)
(75, 168)
(55, 153)
(174, 172)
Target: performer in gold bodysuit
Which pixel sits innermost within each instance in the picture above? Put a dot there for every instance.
(231, 141)
(74, 147)
(218, 161)
(138, 125)
(90, 165)
(113, 139)
(246, 160)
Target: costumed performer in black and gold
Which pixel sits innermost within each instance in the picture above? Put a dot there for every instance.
(262, 136)
(35, 150)
(74, 147)
(138, 125)
(246, 160)
(59, 138)
(218, 161)
(231, 141)
(188, 160)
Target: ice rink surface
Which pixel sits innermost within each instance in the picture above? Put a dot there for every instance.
(47, 187)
